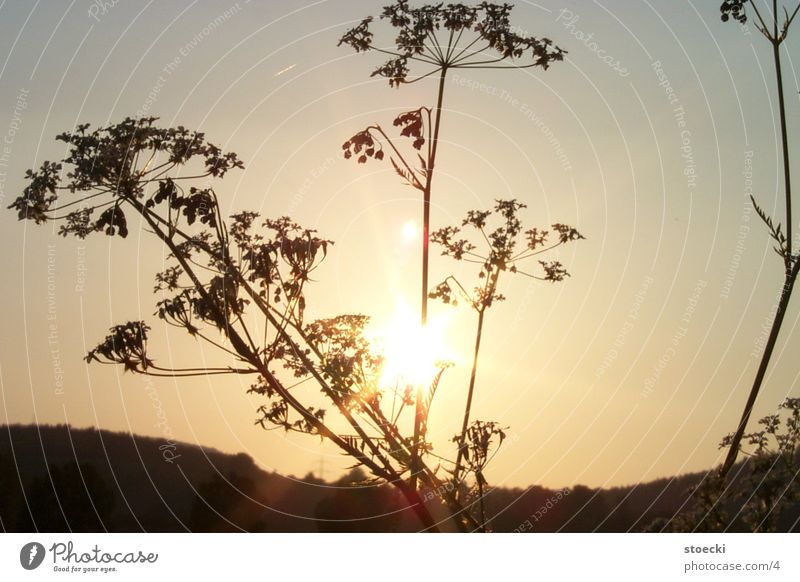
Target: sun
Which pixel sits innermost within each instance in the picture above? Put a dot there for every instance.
(412, 354)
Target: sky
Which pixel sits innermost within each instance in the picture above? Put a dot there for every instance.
(648, 138)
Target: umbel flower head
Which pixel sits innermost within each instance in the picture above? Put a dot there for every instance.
(450, 36)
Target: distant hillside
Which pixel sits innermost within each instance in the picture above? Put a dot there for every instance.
(58, 478)
(201, 489)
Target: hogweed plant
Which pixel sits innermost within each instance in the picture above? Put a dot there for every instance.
(480, 448)
(772, 467)
(431, 41)
(775, 28)
(437, 39)
(238, 286)
(495, 241)
(765, 490)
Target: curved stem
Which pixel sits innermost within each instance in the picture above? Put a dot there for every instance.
(783, 304)
(408, 167)
(417, 504)
(791, 266)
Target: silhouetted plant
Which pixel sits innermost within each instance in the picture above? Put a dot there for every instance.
(772, 466)
(775, 29)
(479, 448)
(238, 287)
(506, 249)
(436, 38)
(764, 485)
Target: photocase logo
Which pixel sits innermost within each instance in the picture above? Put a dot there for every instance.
(31, 555)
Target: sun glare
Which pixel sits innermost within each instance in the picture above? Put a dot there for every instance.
(412, 353)
(410, 231)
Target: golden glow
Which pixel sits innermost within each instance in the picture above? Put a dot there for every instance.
(412, 353)
(410, 231)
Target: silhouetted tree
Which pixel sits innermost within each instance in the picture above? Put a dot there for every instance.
(774, 27)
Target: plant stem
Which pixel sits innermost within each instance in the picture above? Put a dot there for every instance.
(413, 498)
(462, 442)
(426, 219)
(783, 303)
(481, 503)
(776, 52)
(411, 495)
(790, 273)
(426, 210)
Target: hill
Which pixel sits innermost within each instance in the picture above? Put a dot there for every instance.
(59, 478)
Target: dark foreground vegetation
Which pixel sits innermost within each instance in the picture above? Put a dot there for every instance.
(58, 478)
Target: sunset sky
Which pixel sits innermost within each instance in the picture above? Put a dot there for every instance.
(648, 138)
